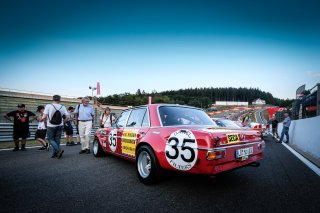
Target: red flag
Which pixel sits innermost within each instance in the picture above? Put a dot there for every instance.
(98, 88)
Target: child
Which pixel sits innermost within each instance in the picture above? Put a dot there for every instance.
(68, 128)
(41, 130)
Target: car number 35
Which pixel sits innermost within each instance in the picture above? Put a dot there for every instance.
(113, 140)
(181, 150)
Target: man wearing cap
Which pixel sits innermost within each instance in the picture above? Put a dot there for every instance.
(54, 131)
(20, 125)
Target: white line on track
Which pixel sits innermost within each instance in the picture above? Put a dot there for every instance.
(303, 159)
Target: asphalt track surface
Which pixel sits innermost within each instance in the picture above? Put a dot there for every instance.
(31, 181)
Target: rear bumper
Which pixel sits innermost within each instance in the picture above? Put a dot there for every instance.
(229, 162)
(235, 164)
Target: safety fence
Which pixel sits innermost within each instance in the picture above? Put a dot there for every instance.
(6, 131)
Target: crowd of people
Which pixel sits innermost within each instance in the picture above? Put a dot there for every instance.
(54, 119)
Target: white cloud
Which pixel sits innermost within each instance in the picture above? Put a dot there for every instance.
(313, 74)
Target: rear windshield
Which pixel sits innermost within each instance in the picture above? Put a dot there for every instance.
(177, 115)
(227, 123)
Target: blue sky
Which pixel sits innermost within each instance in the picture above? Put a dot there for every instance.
(63, 47)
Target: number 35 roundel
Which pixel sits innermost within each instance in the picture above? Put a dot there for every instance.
(182, 150)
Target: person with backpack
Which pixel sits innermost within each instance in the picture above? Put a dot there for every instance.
(106, 118)
(54, 114)
(85, 120)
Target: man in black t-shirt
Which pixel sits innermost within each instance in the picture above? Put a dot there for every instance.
(20, 125)
(274, 124)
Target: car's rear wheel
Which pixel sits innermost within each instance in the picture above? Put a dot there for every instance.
(97, 149)
(147, 166)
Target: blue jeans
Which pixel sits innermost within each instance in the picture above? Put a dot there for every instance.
(285, 131)
(54, 136)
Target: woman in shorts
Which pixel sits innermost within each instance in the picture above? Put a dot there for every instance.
(41, 130)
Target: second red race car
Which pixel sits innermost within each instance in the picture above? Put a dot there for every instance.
(161, 137)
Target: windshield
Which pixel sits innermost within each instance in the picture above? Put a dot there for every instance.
(177, 115)
(227, 123)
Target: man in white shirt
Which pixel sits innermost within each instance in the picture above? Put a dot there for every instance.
(54, 126)
(85, 119)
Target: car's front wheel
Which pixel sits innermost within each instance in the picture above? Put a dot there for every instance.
(147, 166)
(97, 149)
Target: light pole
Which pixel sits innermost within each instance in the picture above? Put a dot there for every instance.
(92, 89)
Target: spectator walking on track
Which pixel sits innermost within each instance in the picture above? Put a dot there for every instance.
(20, 125)
(285, 128)
(41, 130)
(55, 113)
(274, 125)
(85, 119)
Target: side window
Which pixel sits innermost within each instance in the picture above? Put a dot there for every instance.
(121, 122)
(145, 122)
(136, 117)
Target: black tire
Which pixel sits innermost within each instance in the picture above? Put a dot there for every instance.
(97, 149)
(146, 157)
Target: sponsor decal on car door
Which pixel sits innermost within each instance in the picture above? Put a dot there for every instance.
(129, 142)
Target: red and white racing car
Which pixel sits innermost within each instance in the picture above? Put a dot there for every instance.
(162, 137)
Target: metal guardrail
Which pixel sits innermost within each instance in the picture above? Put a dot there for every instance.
(6, 131)
(33, 93)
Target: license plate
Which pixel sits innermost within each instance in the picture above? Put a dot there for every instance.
(233, 138)
(243, 153)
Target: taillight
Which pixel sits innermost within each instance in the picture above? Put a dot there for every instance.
(216, 154)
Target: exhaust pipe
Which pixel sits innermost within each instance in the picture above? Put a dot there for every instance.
(254, 164)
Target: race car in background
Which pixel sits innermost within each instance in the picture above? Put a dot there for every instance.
(222, 122)
(160, 137)
(262, 129)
